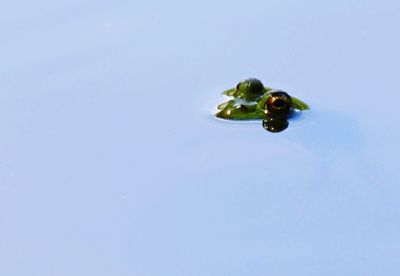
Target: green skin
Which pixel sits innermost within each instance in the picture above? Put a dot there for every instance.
(249, 106)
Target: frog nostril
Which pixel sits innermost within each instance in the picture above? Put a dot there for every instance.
(238, 86)
(242, 108)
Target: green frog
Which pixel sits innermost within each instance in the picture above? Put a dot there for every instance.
(251, 100)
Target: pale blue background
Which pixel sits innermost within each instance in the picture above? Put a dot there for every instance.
(112, 164)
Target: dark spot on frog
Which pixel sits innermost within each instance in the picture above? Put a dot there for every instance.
(242, 108)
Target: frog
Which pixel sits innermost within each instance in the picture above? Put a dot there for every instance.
(251, 100)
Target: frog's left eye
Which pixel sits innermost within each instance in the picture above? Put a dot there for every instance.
(250, 89)
(278, 105)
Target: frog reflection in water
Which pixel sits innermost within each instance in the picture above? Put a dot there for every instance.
(251, 101)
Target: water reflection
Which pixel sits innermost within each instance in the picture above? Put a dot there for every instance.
(275, 125)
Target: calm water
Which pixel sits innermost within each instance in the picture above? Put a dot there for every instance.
(112, 164)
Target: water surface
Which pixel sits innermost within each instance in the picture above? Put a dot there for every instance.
(112, 164)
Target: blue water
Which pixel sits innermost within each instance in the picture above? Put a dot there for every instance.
(112, 164)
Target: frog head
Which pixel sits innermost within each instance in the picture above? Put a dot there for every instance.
(251, 100)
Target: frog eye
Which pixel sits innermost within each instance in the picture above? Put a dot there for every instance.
(278, 105)
(255, 86)
(249, 89)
